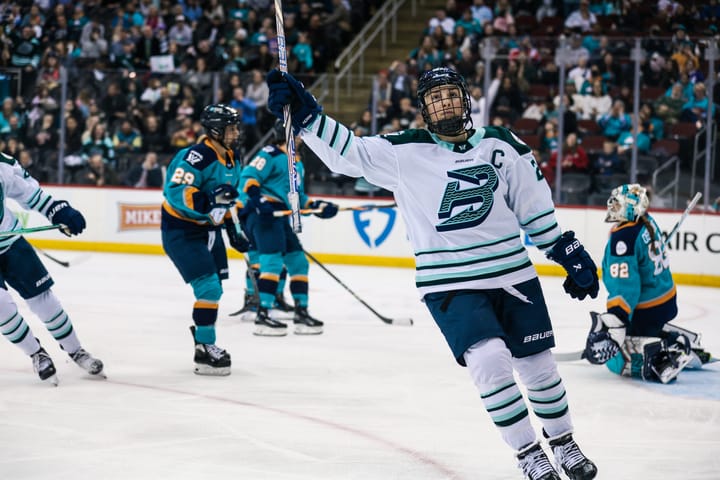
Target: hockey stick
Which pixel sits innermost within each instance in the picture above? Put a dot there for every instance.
(294, 179)
(23, 231)
(361, 208)
(568, 356)
(250, 273)
(684, 215)
(389, 321)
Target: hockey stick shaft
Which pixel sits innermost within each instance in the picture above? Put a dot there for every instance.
(293, 177)
(362, 208)
(390, 321)
(239, 231)
(23, 231)
(684, 215)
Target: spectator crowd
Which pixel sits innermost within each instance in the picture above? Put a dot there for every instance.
(139, 73)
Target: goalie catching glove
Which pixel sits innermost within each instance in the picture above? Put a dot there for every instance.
(70, 220)
(607, 334)
(582, 277)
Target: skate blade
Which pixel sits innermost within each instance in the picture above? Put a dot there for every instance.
(247, 317)
(52, 380)
(212, 371)
(263, 331)
(307, 330)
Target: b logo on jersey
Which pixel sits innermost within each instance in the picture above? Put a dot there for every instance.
(193, 158)
(482, 175)
(367, 220)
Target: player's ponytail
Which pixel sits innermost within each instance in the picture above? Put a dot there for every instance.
(651, 229)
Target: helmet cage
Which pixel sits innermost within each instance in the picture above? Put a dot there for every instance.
(627, 203)
(438, 77)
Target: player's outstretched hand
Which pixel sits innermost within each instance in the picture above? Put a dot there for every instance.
(582, 279)
(327, 209)
(287, 90)
(61, 213)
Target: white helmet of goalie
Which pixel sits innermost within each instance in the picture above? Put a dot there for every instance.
(627, 203)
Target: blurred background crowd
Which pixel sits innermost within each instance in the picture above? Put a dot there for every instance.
(136, 75)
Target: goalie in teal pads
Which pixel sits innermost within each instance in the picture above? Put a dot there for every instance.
(635, 337)
(199, 191)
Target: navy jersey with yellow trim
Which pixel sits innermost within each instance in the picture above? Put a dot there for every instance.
(636, 269)
(269, 171)
(192, 175)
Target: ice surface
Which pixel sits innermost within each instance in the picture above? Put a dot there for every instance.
(365, 400)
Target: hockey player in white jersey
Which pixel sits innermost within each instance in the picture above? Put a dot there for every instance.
(465, 195)
(21, 269)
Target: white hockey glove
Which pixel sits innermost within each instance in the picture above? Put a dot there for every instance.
(607, 334)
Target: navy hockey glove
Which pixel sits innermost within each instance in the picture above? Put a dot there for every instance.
(224, 196)
(61, 213)
(327, 209)
(582, 278)
(286, 90)
(259, 205)
(237, 239)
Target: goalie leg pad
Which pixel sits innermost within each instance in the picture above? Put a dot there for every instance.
(653, 359)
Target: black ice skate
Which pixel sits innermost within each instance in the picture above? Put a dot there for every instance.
(44, 366)
(535, 464)
(210, 359)
(92, 365)
(249, 310)
(266, 326)
(305, 324)
(569, 457)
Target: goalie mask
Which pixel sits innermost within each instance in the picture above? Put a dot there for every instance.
(216, 118)
(444, 102)
(627, 203)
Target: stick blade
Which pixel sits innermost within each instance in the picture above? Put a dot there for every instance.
(403, 322)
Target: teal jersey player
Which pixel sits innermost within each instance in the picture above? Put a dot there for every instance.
(199, 192)
(192, 174)
(636, 274)
(265, 186)
(269, 171)
(635, 337)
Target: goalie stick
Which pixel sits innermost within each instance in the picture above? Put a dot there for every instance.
(684, 215)
(389, 321)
